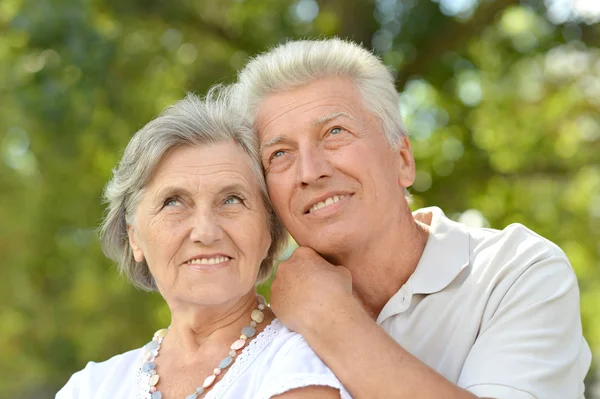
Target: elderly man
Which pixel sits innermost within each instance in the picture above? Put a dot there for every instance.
(423, 307)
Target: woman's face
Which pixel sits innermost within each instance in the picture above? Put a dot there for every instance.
(202, 225)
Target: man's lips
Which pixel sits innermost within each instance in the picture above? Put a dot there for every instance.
(324, 201)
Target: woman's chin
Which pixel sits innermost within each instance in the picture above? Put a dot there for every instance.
(214, 292)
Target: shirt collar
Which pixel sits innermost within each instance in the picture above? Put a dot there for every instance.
(446, 254)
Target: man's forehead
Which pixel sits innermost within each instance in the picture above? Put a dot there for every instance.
(278, 133)
(307, 115)
(327, 92)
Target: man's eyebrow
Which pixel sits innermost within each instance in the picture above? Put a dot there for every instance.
(272, 142)
(326, 118)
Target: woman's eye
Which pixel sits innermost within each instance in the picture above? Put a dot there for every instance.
(171, 202)
(233, 199)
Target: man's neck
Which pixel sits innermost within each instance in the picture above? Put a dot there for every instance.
(381, 269)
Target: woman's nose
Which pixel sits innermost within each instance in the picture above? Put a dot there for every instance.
(206, 229)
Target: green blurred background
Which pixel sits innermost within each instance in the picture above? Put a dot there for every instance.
(501, 98)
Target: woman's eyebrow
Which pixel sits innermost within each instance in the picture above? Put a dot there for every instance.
(233, 188)
(170, 191)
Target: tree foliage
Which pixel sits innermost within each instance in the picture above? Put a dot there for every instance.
(501, 99)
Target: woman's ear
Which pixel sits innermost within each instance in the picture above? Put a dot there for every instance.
(138, 254)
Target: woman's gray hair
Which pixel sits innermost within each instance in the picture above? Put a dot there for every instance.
(193, 121)
(298, 63)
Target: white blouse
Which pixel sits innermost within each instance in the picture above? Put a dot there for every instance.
(276, 361)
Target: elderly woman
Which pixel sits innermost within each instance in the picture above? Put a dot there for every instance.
(189, 217)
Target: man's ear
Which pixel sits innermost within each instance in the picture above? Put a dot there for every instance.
(406, 171)
(138, 255)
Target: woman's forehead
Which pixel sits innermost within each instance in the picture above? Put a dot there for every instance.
(209, 167)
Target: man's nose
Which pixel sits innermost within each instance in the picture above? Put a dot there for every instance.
(207, 229)
(313, 165)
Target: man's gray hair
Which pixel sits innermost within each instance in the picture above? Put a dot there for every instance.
(298, 63)
(193, 121)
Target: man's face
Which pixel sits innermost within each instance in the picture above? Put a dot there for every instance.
(331, 174)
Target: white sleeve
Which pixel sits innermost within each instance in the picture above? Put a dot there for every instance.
(72, 388)
(532, 347)
(296, 366)
(113, 378)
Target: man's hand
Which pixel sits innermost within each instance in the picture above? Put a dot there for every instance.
(306, 289)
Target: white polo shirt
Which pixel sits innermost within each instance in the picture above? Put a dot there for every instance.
(495, 312)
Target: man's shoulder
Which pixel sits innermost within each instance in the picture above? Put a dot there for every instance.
(515, 244)
(501, 258)
(513, 247)
(499, 252)
(457, 254)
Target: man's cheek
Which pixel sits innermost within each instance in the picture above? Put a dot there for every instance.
(283, 205)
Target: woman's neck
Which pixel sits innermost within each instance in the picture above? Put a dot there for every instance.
(194, 327)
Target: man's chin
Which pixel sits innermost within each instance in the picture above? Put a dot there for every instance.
(328, 244)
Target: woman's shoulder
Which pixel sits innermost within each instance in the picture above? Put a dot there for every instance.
(290, 363)
(289, 351)
(277, 343)
(98, 378)
(116, 365)
(289, 343)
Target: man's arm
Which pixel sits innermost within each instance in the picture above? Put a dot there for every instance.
(369, 362)
(315, 299)
(317, 392)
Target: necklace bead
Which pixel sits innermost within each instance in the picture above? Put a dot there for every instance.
(209, 380)
(237, 345)
(225, 362)
(257, 316)
(249, 331)
(154, 380)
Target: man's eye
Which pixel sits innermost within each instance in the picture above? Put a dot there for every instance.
(277, 154)
(336, 130)
(233, 199)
